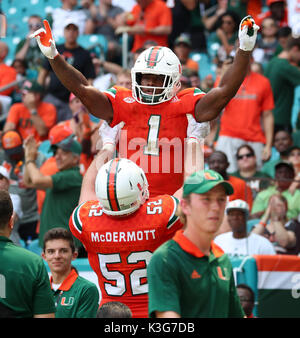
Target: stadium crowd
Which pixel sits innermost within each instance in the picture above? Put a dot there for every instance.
(50, 140)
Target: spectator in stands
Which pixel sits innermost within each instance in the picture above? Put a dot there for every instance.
(284, 33)
(106, 19)
(238, 242)
(247, 299)
(124, 79)
(247, 170)
(213, 14)
(218, 162)
(7, 75)
(284, 75)
(148, 20)
(28, 50)
(275, 225)
(62, 188)
(248, 118)
(226, 34)
(284, 176)
(277, 10)
(294, 159)
(24, 297)
(268, 42)
(12, 158)
(282, 143)
(74, 296)
(78, 57)
(32, 116)
(182, 48)
(114, 310)
(69, 12)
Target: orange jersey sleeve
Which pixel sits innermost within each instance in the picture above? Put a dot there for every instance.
(153, 135)
(119, 248)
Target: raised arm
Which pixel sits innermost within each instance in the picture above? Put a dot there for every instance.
(211, 105)
(95, 101)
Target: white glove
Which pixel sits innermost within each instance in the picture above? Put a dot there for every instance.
(110, 136)
(247, 33)
(45, 41)
(197, 130)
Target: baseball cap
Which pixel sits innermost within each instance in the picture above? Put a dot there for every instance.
(202, 181)
(12, 142)
(183, 39)
(4, 172)
(61, 136)
(70, 21)
(270, 2)
(238, 204)
(32, 86)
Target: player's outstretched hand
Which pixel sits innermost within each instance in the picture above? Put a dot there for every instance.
(198, 130)
(247, 33)
(45, 41)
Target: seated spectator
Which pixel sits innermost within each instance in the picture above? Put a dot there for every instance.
(213, 13)
(32, 116)
(28, 50)
(257, 67)
(8, 75)
(267, 44)
(284, 176)
(66, 284)
(294, 159)
(238, 242)
(247, 170)
(226, 34)
(277, 11)
(284, 233)
(247, 299)
(12, 158)
(282, 143)
(218, 162)
(78, 57)
(106, 19)
(124, 79)
(68, 12)
(182, 48)
(114, 310)
(62, 188)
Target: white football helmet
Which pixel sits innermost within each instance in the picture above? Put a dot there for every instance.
(156, 60)
(238, 204)
(121, 187)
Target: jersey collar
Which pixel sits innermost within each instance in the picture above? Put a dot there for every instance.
(68, 282)
(191, 248)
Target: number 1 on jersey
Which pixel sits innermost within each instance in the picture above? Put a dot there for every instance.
(152, 141)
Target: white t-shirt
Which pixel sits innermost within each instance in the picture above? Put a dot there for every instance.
(252, 245)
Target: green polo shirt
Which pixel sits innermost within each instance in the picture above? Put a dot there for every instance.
(60, 201)
(24, 281)
(182, 279)
(76, 297)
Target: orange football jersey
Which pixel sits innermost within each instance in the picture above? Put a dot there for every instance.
(153, 135)
(119, 248)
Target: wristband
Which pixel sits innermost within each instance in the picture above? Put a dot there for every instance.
(109, 147)
(192, 140)
(29, 161)
(262, 223)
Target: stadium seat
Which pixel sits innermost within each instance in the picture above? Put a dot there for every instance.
(206, 67)
(251, 223)
(94, 42)
(34, 247)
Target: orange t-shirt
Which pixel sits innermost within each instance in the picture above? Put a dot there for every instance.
(20, 116)
(156, 14)
(242, 115)
(192, 64)
(241, 190)
(119, 249)
(260, 17)
(153, 135)
(7, 75)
